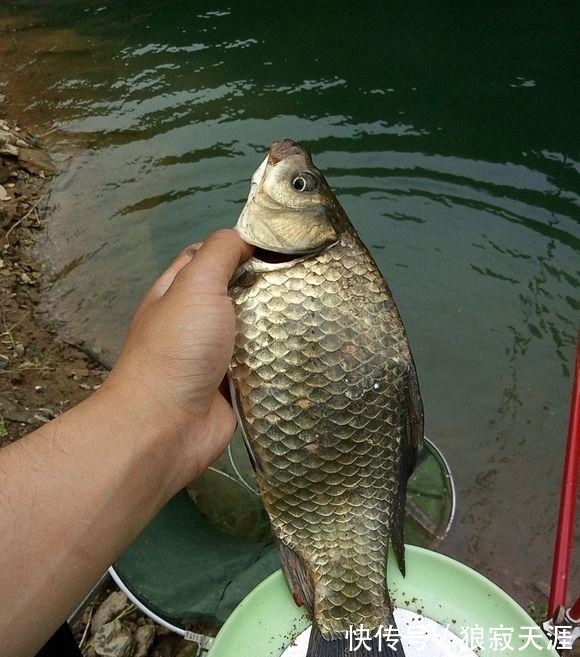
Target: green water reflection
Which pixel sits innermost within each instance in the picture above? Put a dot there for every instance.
(449, 133)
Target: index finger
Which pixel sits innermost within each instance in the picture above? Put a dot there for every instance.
(163, 283)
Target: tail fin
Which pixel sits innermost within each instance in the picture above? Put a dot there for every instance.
(355, 644)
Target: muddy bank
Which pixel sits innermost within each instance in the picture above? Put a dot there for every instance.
(40, 376)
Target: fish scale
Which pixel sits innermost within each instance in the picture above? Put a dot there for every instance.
(316, 405)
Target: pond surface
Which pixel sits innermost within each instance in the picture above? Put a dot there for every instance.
(450, 135)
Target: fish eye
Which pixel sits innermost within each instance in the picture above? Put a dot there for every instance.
(305, 182)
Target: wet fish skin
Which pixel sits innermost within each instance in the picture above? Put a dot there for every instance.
(327, 395)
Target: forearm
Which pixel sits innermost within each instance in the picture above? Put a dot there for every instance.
(76, 492)
(73, 494)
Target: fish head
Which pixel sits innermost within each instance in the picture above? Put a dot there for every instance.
(290, 208)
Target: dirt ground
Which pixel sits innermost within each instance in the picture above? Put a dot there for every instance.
(40, 376)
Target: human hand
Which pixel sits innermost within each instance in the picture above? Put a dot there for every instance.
(177, 352)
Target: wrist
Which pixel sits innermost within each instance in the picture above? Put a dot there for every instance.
(178, 441)
(136, 429)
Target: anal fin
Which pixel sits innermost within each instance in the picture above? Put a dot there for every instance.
(296, 575)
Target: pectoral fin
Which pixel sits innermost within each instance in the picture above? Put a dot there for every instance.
(233, 398)
(407, 460)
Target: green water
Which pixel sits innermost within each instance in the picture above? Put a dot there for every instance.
(449, 132)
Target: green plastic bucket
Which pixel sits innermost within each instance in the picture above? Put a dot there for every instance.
(463, 604)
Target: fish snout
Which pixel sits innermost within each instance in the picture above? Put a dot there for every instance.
(280, 150)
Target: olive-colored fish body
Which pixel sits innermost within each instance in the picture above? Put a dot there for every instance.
(327, 395)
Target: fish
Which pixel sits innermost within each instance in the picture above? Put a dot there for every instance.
(326, 392)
